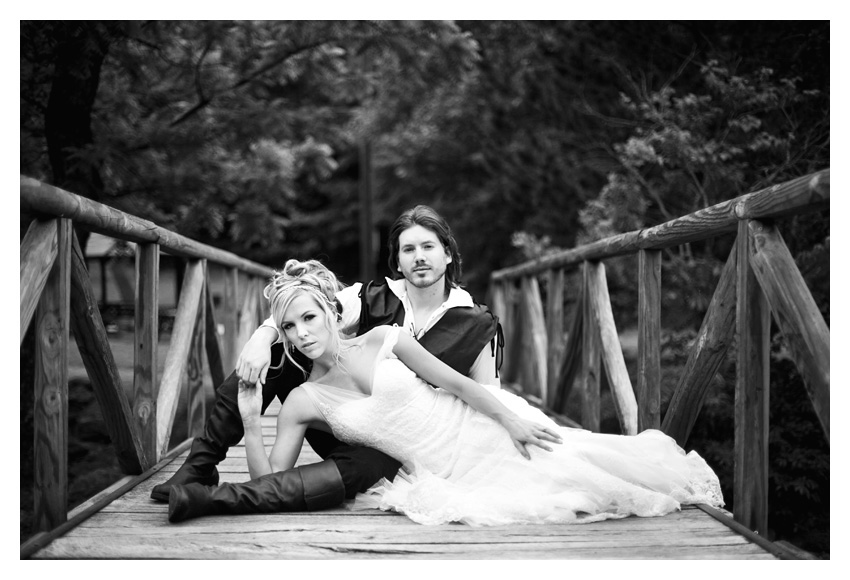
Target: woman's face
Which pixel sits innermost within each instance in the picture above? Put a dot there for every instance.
(304, 325)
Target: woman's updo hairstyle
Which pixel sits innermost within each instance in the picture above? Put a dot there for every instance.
(310, 277)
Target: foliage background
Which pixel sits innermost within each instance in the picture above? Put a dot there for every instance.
(528, 136)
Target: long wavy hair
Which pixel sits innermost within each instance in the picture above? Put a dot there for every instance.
(312, 278)
(428, 218)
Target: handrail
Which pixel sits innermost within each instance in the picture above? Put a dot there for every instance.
(809, 193)
(56, 293)
(40, 198)
(760, 279)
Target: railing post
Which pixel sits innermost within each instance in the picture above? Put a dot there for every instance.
(751, 393)
(50, 409)
(554, 330)
(230, 318)
(146, 342)
(589, 379)
(649, 340)
(196, 402)
(534, 364)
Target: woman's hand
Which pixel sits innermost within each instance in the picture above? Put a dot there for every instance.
(250, 400)
(524, 432)
(256, 356)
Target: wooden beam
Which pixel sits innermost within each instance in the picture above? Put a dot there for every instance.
(589, 376)
(752, 394)
(712, 343)
(38, 251)
(230, 311)
(795, 312)
(212, 342)
(611, 350)
(810, 192)
(554, 330)
(804, 194)
(97, 503)
(535, 365)
(96, 353)
(40, 198)
(146, 342)
(649, 340)
(570, 362)
(178, 352)
(50, 399)
(195, 392)
(247, 315)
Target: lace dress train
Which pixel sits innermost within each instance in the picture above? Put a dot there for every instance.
(461, 466)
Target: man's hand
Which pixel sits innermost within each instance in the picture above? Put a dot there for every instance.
(256, 356)
(524, 432)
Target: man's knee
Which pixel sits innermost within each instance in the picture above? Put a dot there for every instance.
(362, 467)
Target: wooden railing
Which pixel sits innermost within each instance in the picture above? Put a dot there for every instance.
(56, 293)
(759, 278)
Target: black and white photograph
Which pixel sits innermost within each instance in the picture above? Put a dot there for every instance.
(393, 290)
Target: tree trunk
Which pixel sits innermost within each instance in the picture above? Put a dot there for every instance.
(80, 50)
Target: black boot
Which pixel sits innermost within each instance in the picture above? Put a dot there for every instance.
(222, 430)
(306, 488)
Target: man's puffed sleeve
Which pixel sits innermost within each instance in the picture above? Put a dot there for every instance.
(349, 299)
(483, 370)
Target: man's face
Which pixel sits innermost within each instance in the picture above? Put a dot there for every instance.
(422, 259)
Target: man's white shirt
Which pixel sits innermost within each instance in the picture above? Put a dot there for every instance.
(483, 369)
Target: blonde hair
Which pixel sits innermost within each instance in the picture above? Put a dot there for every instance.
(313, 278)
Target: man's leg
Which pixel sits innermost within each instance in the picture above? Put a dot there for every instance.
(223, 428)
(318, 486)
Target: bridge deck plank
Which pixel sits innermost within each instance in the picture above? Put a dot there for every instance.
(135, 527)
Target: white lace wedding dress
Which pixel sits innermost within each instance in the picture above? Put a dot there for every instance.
(461, 466)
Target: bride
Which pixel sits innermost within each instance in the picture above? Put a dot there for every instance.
(471, 453)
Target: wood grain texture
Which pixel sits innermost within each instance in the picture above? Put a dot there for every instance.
(715, 336)
(176, 359)
(50, 397)
(146, 339)
(248, 314)
(534, 377)
(752, 393)
(554, 330)
(212, 341)
(230, 318)
(795, 312)
(96, 353)
(804, 194)
(810, 192)
(571, 359)
(133, 526)
(648, 388)
(589, 377)
(38, 251)
(611, 351)
(40, 198)
(196, 395)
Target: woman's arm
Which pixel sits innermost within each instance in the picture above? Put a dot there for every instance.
(296, 414)
(522, 431)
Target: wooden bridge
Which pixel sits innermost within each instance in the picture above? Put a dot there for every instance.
(543, 353)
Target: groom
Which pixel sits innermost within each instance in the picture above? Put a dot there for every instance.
(425, 299)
